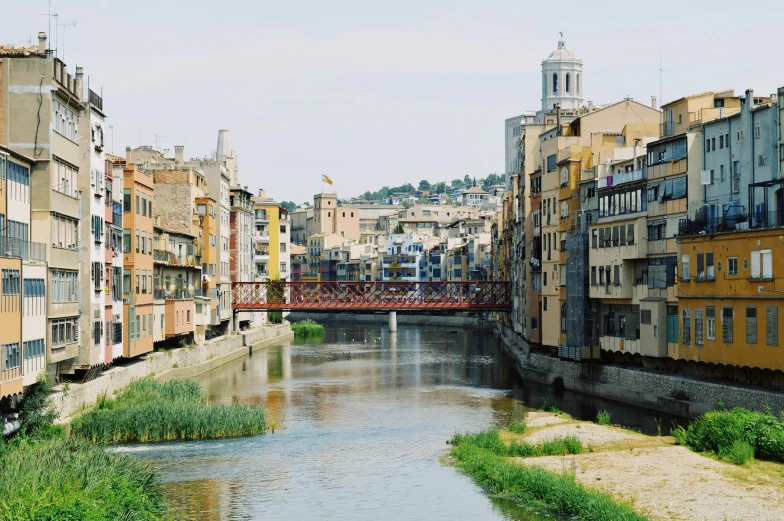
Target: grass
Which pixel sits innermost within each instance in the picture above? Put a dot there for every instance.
(737, 435)
(517, 426)
(604, 418)
(71, 479)
(149, 411)
(481, 457)
(551, 405)
(307, 328)
(491, 441)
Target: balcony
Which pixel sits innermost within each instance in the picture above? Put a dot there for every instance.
(21, 249)
(622, 178)
(179, 317)
(176, 294)
(168, 257)
(261, 236)
(95, 99)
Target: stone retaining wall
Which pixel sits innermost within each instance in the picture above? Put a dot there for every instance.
(189, 361)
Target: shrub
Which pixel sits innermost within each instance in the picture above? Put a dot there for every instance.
(739, 453)
(533, 486)
(275, 317)
(551, 406)
(307, 328)
(36, 412)
(517, 426)
(721, 431)
(604, 418)
(70, 479)
(151, 411)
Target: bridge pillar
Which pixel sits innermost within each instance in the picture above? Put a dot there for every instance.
(392, 321)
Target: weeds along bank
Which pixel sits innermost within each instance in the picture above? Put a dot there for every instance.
(184, 362)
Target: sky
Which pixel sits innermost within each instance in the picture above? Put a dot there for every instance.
(375, 94)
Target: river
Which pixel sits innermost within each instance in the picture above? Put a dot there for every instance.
(362, 417)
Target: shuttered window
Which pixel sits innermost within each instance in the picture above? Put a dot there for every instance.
(686, 329)
(698, 327)
(616, 275)
(772, 325)
(751, 325)
(645, 316)
(767, 264)
(726, 325)
(623, 235)
(630, 234)
(710, 322)
(593, 275)
(755, 264)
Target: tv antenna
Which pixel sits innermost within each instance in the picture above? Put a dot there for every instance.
(71, 24)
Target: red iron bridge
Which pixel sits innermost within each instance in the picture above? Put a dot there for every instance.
(372, 296)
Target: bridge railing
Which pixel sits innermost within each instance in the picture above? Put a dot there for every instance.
(473, 295)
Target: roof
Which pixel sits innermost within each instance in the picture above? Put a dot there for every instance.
(562, 53)
(727, 93)
(474, 190)
(9, 50)
(17, 155)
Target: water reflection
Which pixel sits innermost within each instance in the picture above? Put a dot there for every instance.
(361, 421)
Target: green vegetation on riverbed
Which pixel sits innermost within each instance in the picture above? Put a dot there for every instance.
(482, 456)
(307, 328)
(737, 435)
(490, 440)
(148, 411)
(71, 479)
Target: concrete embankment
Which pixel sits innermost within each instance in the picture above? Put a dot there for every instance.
(652, 390)
(183, 362)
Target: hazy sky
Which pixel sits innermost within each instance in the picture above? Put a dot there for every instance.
(374, 93)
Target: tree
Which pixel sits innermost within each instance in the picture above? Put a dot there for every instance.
(439, 188)
(424, 184)
(399, 228)
(289, 206)
(467, 180)
(458, 184)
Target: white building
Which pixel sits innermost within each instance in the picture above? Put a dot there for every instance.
(475, 197)
(404, 252)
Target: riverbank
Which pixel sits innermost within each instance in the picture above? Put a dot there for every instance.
(649, 389)
(183, 362)
(658, 479)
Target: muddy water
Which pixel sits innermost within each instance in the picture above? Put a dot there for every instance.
(362, 417)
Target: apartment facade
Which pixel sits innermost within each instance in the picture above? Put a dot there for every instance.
(176, 278)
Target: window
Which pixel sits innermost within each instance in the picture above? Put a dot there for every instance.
(698, 327)
(564, 176)
(762, 159)
(710, 322)
(757, 131)
(685, 266)
(551, 162)
(65, 232)
(34, 288)
(593, 275)
(762, 264)
(740, 135)
(535, 323)
(555, 83)
(751, 325)
(544, 303)
(709, 274)
(568, 82)
(282, 267)
(137, 202)
(10, 356)
(732, 266)
(34, 348)
(721, 141)
(126, 200)
(11, 282)
(563, 318)
(713, 143)
(686, 327)
(772, 325)
(726, 324)
(616, 275)
(65, 331)
(137, 241)
(65, 121)
(283, 247)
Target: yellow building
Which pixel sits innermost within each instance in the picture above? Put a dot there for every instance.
(690, 111)
(731, 305)
(267, 238)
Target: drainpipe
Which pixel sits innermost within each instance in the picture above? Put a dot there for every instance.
(749, 110)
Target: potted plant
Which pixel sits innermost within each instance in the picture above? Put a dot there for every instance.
(742, 220)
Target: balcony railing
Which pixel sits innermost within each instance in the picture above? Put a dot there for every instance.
(622, 178)
(25, 250)
(170, 258)
(177, 294)
(117, 213)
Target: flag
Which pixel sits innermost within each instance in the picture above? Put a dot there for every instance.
(325, 179)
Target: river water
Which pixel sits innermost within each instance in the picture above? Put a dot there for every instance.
(362, 417)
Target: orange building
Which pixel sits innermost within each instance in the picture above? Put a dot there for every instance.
(138, 261)
(730, 298)
(205, 226)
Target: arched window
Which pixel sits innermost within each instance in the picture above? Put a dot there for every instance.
(578, 84)
(568, 82)
(555, 83)
(564, 210)
(564, 176)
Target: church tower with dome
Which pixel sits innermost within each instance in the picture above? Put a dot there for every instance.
(562, 82)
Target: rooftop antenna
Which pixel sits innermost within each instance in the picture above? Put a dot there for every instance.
(48, 15)
(56, 32)
(661, 100)
(71, 24)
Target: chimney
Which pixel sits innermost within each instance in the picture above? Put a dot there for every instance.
(179, 153)
(166, 153)
(749, 99)
(42, 43)
(557, 119)
(128, 155)
(590, 107)
(79, 81)
(654, 103)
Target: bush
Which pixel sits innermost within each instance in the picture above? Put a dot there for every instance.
(720, 432)
(517, 426)
(533, 486)
(150, 411)
(551, 406)
(307, 328)
(36, 412)
(604, 418)
(70, 479)
(739, 453)
(275, 317)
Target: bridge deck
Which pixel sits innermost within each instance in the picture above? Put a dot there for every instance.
(372, 296)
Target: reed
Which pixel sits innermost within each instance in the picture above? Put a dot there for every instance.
(307, 328)
(729, 434)
(148, 411)
(604, 418)
(69, 479)
(559, 494)
(517, 426)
